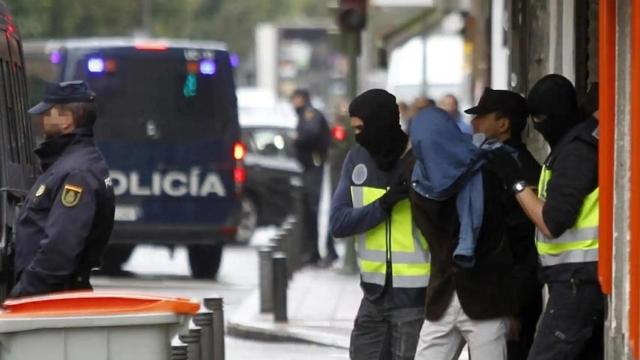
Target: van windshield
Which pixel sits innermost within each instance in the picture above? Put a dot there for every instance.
(174, 95)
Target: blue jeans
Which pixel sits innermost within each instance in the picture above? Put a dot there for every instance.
(383, 333)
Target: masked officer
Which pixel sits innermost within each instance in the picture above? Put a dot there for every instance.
(502, 115)
(312, 144)
(565, 212)
(67, 219)
(371, 204)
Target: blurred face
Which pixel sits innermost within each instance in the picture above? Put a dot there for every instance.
(357, 125)
(298, 102)
(449, 105)
(55, 122)
(492, 126)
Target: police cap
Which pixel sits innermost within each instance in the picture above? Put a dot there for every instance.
(63, 93)
(508, 103)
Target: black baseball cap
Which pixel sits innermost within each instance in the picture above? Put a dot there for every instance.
(63, 93)
(508, 103)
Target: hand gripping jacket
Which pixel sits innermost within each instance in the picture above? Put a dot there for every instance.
(397, 240)
(576, 245)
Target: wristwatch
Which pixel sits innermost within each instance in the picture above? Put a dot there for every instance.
(518, 187)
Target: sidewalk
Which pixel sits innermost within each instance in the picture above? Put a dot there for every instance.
(321, 307)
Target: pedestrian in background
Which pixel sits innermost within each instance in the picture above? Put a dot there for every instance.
(405, 115)
(565, 211)
(449, 103)
(459, 205)
(371, 205)
(67, 219)
(502, 115)
(312, 144)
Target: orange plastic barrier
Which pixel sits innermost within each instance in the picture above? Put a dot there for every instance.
(78, 303)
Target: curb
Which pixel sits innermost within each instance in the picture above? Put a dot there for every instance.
(243, 324)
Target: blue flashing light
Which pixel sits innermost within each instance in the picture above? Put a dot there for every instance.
(55, 57)
(234, 59)
(95, 65)
(207, 67)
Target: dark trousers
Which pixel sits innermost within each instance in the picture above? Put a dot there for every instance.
(572, 326)
(382, 332)
(530, 311)
(312, 182)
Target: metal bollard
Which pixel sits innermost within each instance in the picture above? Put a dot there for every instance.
(280, 282)
(179, 352)
(192, 339)
(350, 264)
(298, 245)
(216, 305)
(278, 241)
(266, 279)
(289, 239)
(204, 321)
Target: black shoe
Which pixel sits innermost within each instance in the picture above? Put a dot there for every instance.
(328, 261)
(311, 260)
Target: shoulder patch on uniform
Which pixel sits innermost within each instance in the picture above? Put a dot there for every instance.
(309, 115)
(71, 195)
(41, 190)
(359, 174)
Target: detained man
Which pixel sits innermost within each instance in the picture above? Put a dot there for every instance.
(459, 205)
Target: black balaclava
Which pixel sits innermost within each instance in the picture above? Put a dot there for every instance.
(382, 135)
(554, 98)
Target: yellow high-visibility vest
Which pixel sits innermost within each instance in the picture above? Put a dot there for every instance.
(578, 244)
(397, 239)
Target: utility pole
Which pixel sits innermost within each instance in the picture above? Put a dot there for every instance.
(352, 19)
(146, 17)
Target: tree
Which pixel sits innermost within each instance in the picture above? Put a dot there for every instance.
(231, 21)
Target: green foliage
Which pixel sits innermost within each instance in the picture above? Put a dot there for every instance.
(231, 21)
(75, 18)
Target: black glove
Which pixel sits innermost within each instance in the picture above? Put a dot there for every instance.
(398, 191)
(503, 164)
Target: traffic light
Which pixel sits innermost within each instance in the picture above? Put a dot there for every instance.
(352, 15)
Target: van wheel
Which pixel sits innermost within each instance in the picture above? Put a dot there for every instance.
(205, 260)
(115, 255)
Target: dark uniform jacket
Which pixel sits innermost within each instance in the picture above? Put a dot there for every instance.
(346, 220)
(313, 138)
(67, 218)
(521, 232)
(574, 164)
(487, 289)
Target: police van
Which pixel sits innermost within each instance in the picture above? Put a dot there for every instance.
(17, 162)
(168, 127)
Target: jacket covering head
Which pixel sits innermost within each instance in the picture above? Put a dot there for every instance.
(382, 135)
(554, 98)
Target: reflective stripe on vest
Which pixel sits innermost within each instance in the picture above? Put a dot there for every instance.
(409, 255)
(576, 245)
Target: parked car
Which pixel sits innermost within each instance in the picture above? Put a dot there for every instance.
(268, 131)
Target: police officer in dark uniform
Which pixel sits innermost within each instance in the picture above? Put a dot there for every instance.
(565, 212)
(67, 219)
(502, 115)
(312, 143)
